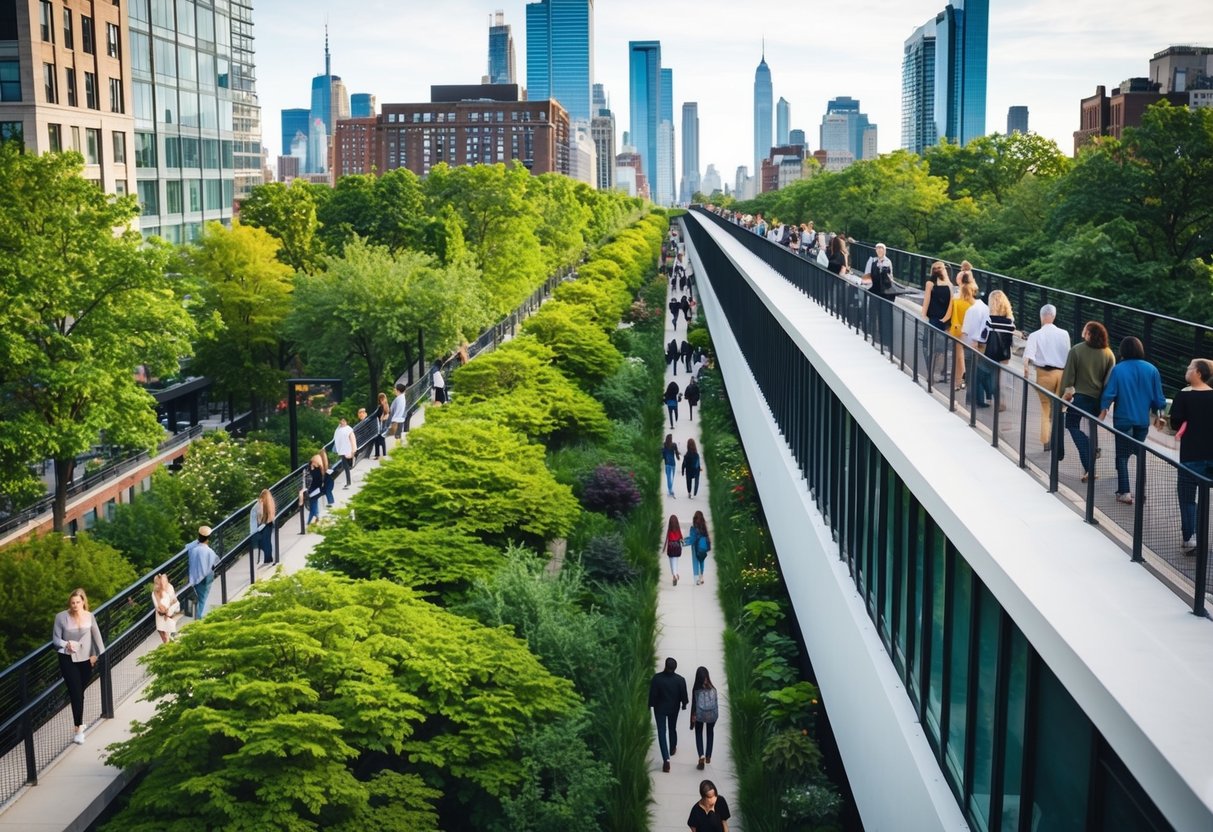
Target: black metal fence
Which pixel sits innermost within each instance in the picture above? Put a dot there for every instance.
(1071, 453)
(35, 723)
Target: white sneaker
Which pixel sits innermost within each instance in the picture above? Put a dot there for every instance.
(1188, 546)
(78, 739)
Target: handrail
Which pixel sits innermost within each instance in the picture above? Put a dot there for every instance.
(908, 340)
(31, 691)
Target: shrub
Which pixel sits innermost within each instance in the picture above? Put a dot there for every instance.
(603, 301)
(610, 490)
(582, 350)
(624, 394)
(698, 337)
(791, 706)
(221, 474)
(604, 559)
(793, 753)
(811, 803)
(147, 531)
(315, 428)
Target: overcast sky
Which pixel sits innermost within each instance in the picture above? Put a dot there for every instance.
(1046, 54)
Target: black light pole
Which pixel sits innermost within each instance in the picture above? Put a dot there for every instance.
(302, 385)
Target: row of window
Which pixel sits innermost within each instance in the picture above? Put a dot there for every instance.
(1015, 748)
(92, 98)
(165, 104)
(186, 196)
(184, 152)
(450, 118)
(91, 147)
(205, 23)
(88, 38)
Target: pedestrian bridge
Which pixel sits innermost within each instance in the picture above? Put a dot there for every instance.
(1000, 645)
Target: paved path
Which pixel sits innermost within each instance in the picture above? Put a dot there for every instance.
(77, 786)
(690, 624)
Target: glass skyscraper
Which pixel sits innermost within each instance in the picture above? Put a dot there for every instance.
(690, 151)
(501, 51)
(644, 71)
(762, 113)
(783, 119)
(918, 90)
(958, 39)
(665, 152)
(294, 121)
(362, 105)
(560, 54)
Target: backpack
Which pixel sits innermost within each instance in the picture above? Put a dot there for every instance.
(673, 548)
(702, 546)
(706, 707)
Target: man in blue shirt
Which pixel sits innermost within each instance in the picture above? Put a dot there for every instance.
(1135, 387)
(203, 561)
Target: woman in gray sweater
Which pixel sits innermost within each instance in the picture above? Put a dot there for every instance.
(78, 641)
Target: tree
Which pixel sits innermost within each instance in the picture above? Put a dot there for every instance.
(289, 214)
(245, 296)
(86, 301)
(563, 218)
(382, 712)
(988, 167)
(582, 349)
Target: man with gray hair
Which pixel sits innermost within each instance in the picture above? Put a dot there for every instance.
(1046, 350)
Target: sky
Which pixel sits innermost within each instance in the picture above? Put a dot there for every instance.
(1045, 54)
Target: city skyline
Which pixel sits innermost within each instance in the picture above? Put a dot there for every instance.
(1045, 57)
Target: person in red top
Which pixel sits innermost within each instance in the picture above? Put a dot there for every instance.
(673, 545)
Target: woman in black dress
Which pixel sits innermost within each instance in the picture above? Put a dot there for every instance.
(937, 309)
(711, 812)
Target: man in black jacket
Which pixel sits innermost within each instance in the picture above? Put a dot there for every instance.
(667, 696)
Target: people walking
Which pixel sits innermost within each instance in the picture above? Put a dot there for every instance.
(313, 487)
(684, 352)
(691, 467)
(673, 545)
(261, 524)
(1047, 350)
(164, 602)
(711, 812)
(960, 307)
(673, 354)
(685, 305)
(439, 384)
(202, 562)
(383, 418)
(705, 710)
(976, 331)
(1084, 376)
(671, 400)
(878, 275)
(691, 394)
(667, 696)
(998, 344)
(1134, 393)
(937, 309)
(670, 455)
(330, 477)
(345, 444)
(675, 311)
(77, 640)
(1192, 420)
(398, 413)
(700, 545)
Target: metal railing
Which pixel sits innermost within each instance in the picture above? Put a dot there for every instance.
(1026, 422)
(34, 718)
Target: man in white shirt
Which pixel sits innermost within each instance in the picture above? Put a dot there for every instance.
(396, 414)
(975, 329)
(439, 385)
(344, 445)
(1046, 350)
(878, 276)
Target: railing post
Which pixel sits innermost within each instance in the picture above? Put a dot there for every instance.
(252, 565)
(1093, 438)
(996, 371)
(1023, 424)
(1139, 506)
(1202, 549)
(107, 686)
(31, 758)
(1058, 437)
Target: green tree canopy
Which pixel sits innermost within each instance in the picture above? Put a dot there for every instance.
(988, 167)
(581, 348)
(288, 213)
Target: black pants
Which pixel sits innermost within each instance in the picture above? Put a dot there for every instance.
(692, 481)
(379, 445)
(699, 746)
(76, 676)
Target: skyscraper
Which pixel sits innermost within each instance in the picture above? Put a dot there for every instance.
(843, 126)
(330, 102)
(1017, 120)
(762, 111)
(602, 130)
(362, 105)
(690, 151)
(560, 54)
(599, 99)
(294, 121)
(501, 51)
(665, 149)
(711, 181)
(797, 137)
(783, 118)
(953, 98)
(644, 86)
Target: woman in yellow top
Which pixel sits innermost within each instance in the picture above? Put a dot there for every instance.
(960, 305)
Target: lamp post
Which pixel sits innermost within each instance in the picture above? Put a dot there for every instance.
(294, 386)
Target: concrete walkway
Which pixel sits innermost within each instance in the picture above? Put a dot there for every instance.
(74, 790)
(690, 624)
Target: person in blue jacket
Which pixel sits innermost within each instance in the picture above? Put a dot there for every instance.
(1135, 388)
(670, 455)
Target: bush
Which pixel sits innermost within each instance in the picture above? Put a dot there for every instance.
(221, 474)
(38, 574)
(604, 559)
(147, 531)
(610, 490)
(624, 394)
(582, 350)
(315, 429)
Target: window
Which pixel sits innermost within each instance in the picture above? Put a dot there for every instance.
(12, 131)
(54, 137)
(162, 13)
(87, 38)
(113, 46)
(90, 91)
(189, 155)
(185, 17)
(193, 190)
(145, 150)
(70, 77)
(149, 198)
(76, 138)
(172, 152)
(68, 40)
(173, 200)
(48, 28)
(92, 146)
(210, 154)
(10, 80)
(119, 141)
(141, 98)
(50, 88)
(141, 53)
(214, 195)
(117, 103)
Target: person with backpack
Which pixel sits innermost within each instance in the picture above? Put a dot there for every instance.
(705, 710)
(670, 455)
(673, 545)
(691, 467)
(700, 545)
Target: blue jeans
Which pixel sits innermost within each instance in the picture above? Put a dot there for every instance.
(669, 478)
(1124, 449)
(266, 543)
(666, 722)
(313, 508)
(1074, 424)
(1186, 491)
(672, 406)
(698, 565)
(203, 588)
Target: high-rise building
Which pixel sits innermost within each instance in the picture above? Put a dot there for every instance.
(797, 137)
(560, 54)
(666, 136)
(602, 130)
(783, 119)
(242, 87)
(288, 168)
(501, 51)
(711, 181)
(629, 172)
(1182, 68)
(743, 185)
(65, 84)
(294, 121)
(354, 147)
(762, 112)
(869, 144)
(958, 43)
(1017, 120)
(690, 151)
(599, 99)
(583, 154)
(362, 105)
(644, 86)
(330, 104)
(843, 126)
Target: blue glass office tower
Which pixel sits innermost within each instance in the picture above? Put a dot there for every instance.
(362, 105)
(946, 99)
(294, 120)
(762, 114)
(560, 54)
(501, 51)
(644, 71)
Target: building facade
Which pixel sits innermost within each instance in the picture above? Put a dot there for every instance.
(1182, 68)
(294, 121)
(644, 102)
(501, 51)
(560, 54)
(363, 105)
(944, 66)
(918, 90)
(602, 131)
(1108, 115)
(354, 147)
(629, 172)
(288, 168)
(843, 127)
(711, 181)
(762, 112)
(783, 121)
(1017, 120)
(666, 136)
(798, 137)
(689, 184)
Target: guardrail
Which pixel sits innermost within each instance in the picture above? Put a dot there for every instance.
(1013, 419)
(34, 719)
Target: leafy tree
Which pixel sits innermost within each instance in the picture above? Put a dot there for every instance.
(581, 349)
(289, 214)
(382, 711)
(221, 474)
(563, 218)
(85, 302)
(350, 210)
(471, 476)
(245, 296)
(148, 531)
(988, 167)
(36, 576)
(603, 300)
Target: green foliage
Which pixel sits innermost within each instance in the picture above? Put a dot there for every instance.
(762, 615)
(700, 338)
(472, 476)
(221, 474)
(793, 752)
(582, 350)
(604, 559)
(373, 693)
(623, 393)
(38, 574)
(148, 531)
(812, 803)
(288, 212)
(602, 301)
(315, 429)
